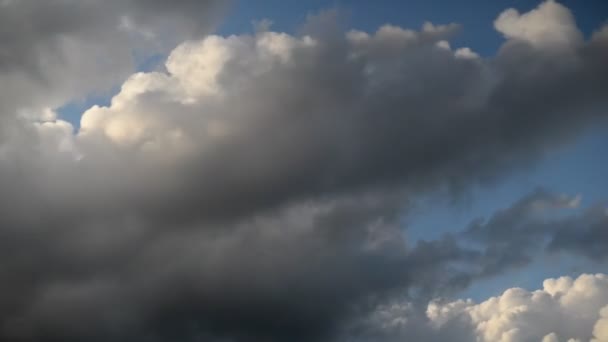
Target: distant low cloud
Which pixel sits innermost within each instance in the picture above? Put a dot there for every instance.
(565, 309)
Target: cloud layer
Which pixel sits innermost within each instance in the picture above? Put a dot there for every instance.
(254, 188)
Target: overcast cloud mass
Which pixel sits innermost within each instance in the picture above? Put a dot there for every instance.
(255, 187)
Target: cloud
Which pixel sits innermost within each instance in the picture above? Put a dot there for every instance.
(291, 274)
(518, 232)
(565, 309)
(371, 110)
(324, 114)
(541, 223)
(551, 25)
(62, 50)
(600, 330)
(254, 189)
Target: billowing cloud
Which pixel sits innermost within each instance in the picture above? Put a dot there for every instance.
(254, 188)
(356, 117)
(551, 25)
(565, 309)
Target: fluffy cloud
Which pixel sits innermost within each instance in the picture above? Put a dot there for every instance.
(254, 188)
(565, 309)
(551, 25)
(600, 330)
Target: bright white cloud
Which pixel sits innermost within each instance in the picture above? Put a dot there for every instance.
(565, 309)
(600, 330)
(551, 25)
(197, 75)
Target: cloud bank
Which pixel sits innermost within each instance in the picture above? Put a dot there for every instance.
(254, 188)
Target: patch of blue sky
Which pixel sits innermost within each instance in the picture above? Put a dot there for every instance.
(73, 110)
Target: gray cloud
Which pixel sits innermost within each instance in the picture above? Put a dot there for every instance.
(254, 189)
(276, 276)
(56, 51)
(517, 233)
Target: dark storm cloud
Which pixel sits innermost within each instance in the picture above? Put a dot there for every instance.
(288, 276)
(254, 190)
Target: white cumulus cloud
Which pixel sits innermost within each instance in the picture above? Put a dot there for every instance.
(565, 310)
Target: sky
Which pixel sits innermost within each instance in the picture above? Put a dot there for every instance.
(207, 170)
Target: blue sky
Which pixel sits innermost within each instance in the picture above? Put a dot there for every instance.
(578, 168)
